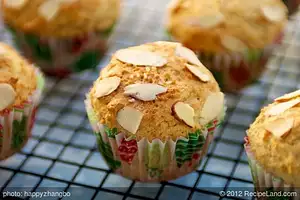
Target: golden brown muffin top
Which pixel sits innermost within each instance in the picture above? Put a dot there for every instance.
(226, 25)
(17, 78)
(60, 18)
(274, 138)
(156, 90)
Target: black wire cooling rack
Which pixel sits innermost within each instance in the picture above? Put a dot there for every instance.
(62, 154)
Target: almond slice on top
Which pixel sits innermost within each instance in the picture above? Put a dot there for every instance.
(173, 5)
(288, 96)
(282, 107)
(210, 21)
(185, 113)
(15, 3)
(130, 119)
(187, 54)
(140, 58)
(212, 107)
(144, 91)
(280, 127)
(107, 86)
(197, 72)
(8, 95)
(233, 44)
(273, 13)
(49, 9)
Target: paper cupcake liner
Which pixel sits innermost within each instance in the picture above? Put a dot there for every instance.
(16, 123)
(60, 57)
(266, 182)
(151, 161)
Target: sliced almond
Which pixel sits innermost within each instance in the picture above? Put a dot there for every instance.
(280, 127)
(144, 91)
(273, 13)
(106, 86)
(187, 54)
(140, 58)
(288, 96)
(173, 5)
(197, 72)
(210, 21)
(49, 9)
(212, 107)
(233, 44)
(8, 95)
(281, 107)
(185, 113)
(130, 119)
(15, 3)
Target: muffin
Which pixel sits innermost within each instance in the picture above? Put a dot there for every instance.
(61, 36)
(233, 38)
(292, 5)
(154, 110)
(272, 145)
(21, 85)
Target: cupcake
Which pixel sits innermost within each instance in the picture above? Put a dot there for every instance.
(233, 39)
(61, 36)
(154, 110)
(21, 85)
(272, 145)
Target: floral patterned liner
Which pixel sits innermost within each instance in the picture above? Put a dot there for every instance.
(63, 56)
(152, 161)
(16, 124)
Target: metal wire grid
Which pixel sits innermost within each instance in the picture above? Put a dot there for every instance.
(62, 154)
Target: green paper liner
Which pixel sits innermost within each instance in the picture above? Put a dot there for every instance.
(61, 57)
(152, 161)
(266, 183)
(16, 124)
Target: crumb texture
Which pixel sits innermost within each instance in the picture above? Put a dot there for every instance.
(211, 25)
(17, 72)
(154, 100)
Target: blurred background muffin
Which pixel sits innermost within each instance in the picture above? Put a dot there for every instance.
(273, 145)
(21, 85)
(154, 110)
(61, 36)
(292, 5)
(233, 38)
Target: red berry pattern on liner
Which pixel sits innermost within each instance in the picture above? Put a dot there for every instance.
(196, 156)
(212, 126)
(78, 43)
(59, 72)
(19, 107)
(5, 112)
(33, 118)
(127, 150)
(240, 74)
(1, 135)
